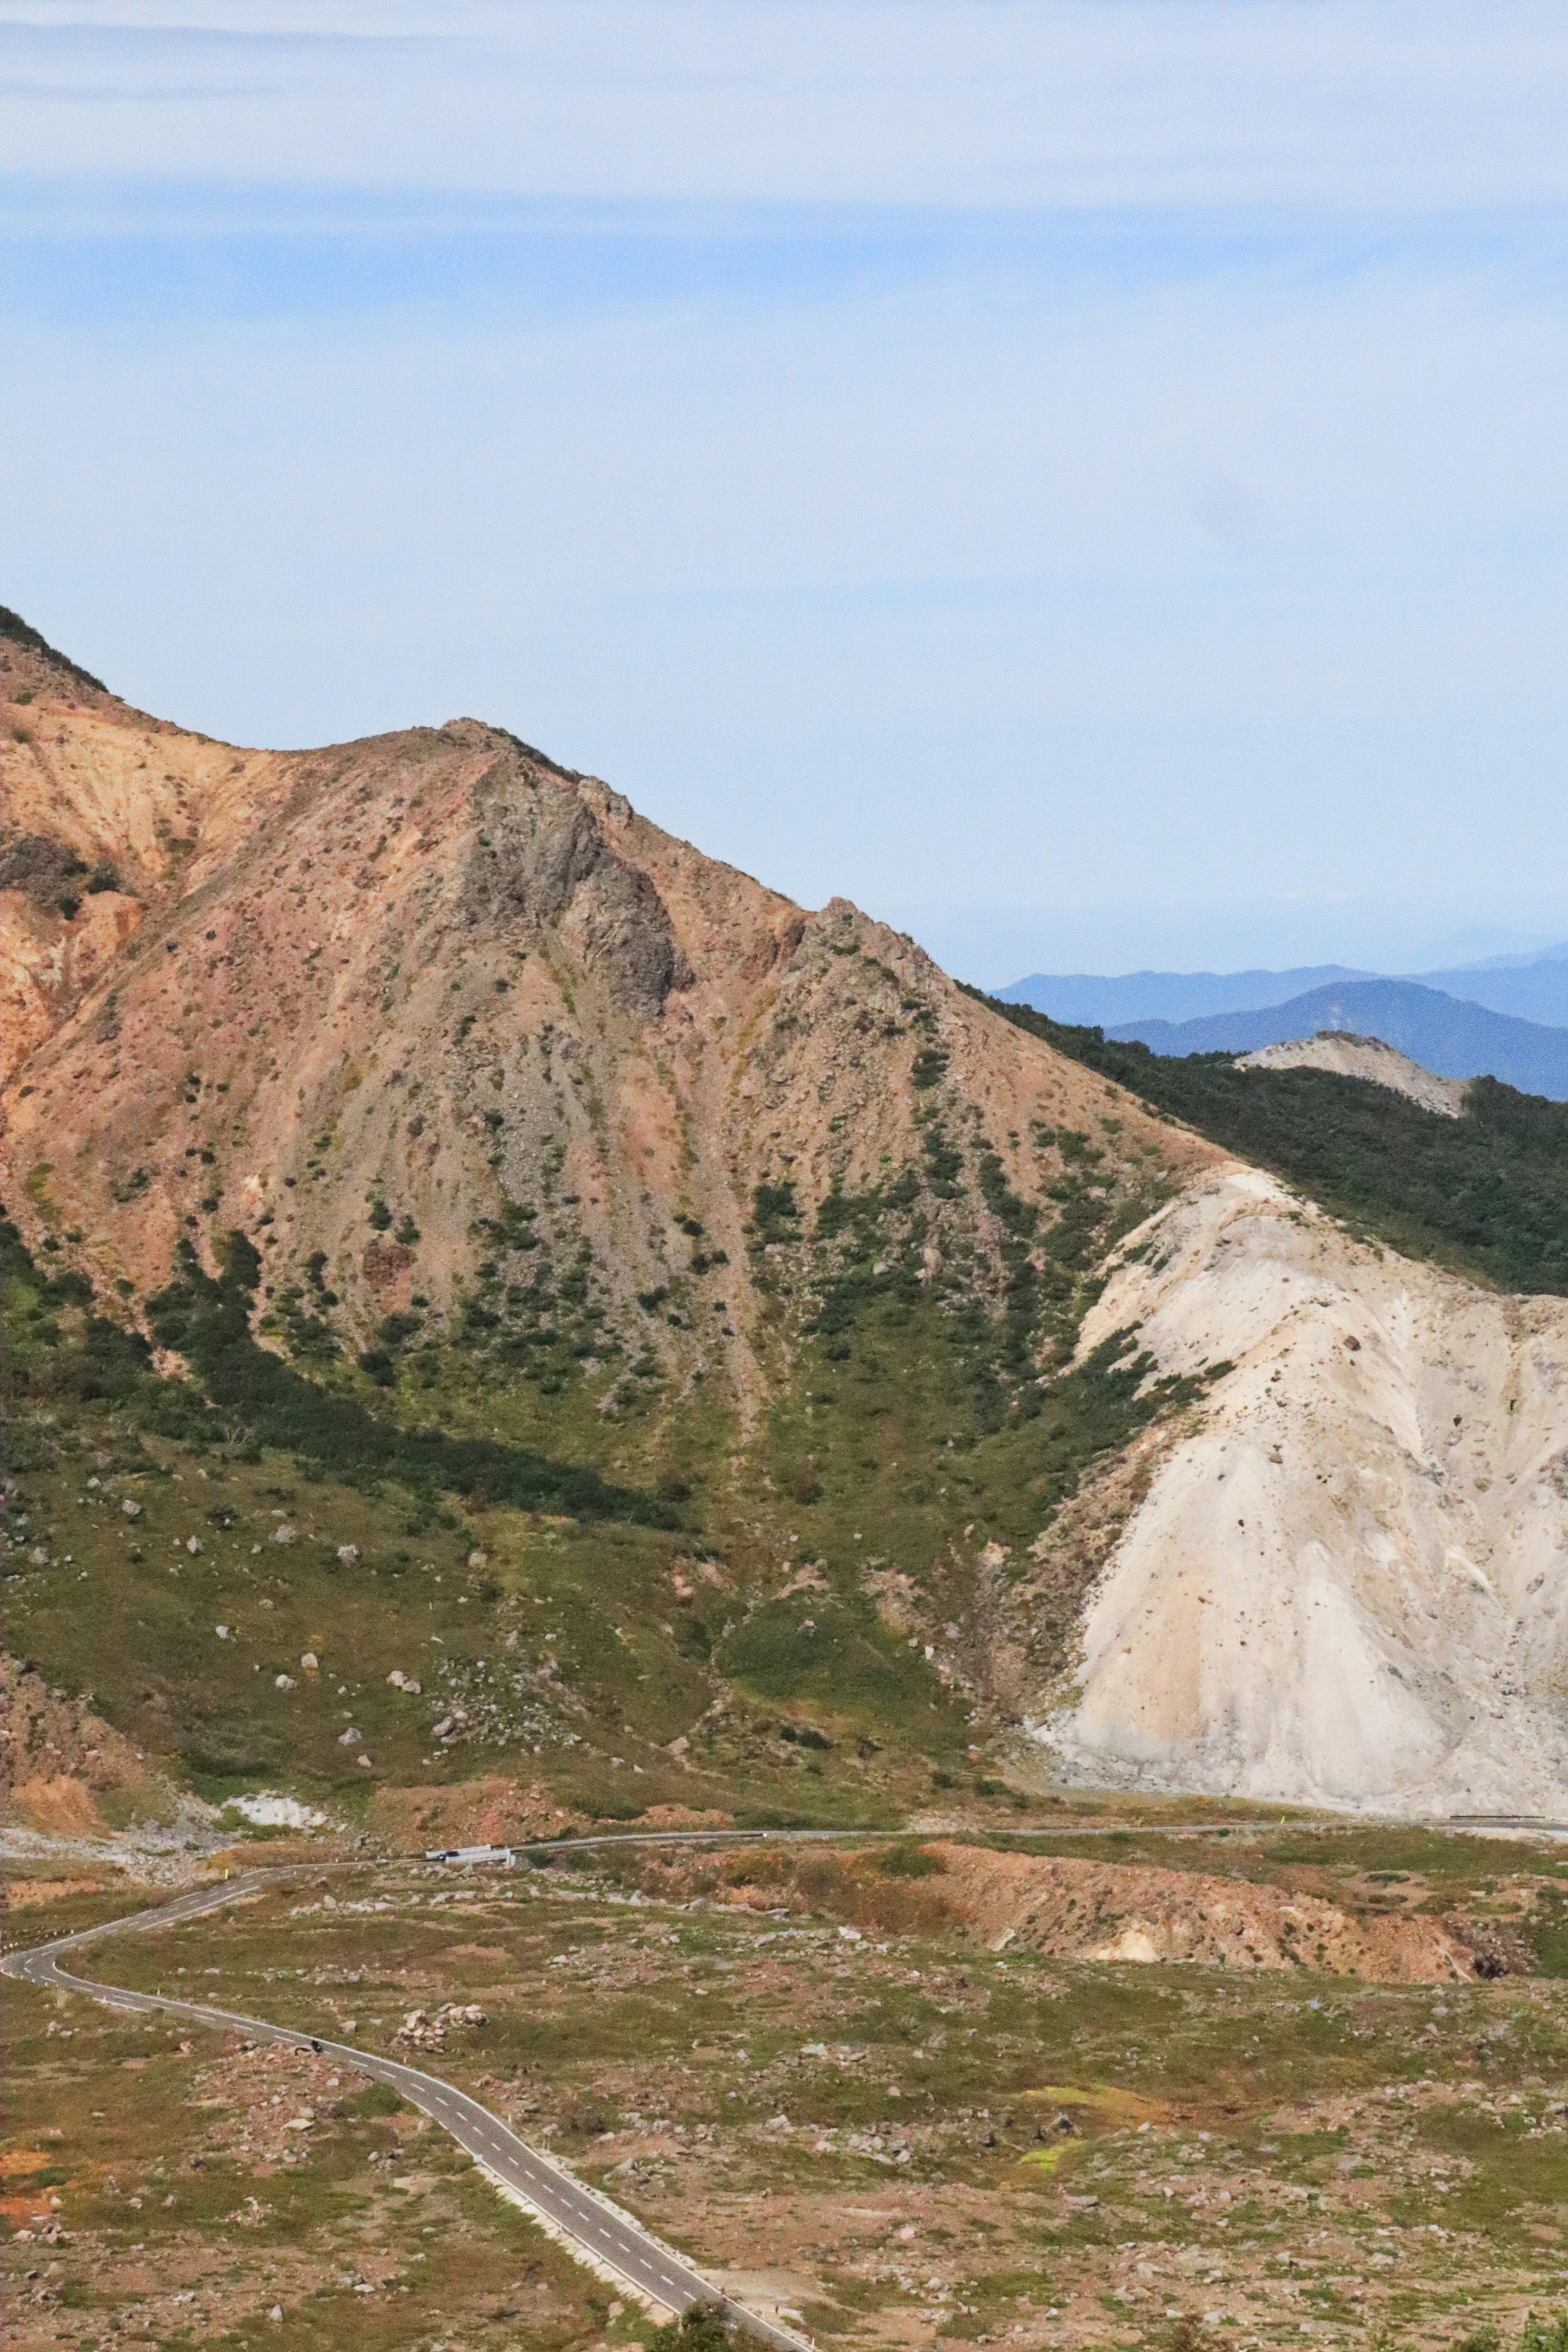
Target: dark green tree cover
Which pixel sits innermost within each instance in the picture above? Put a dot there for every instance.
(705, 2327)
(1486, 1193)
(242, 1393)
(58, 1353)
(209, 1323)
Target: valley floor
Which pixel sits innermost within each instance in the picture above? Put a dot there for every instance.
(842, 2083)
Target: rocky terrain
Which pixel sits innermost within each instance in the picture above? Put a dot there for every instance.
(1362, 1057)
(62, 1768)
(365, 1005)
(1347, 1585)
(413, 1118)
(859, 2087)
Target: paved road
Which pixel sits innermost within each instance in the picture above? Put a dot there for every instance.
(598, 2229)
(1191, 1831)
(595, 2226)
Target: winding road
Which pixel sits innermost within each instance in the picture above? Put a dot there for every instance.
(595, 2229)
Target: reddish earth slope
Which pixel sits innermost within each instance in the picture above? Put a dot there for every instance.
(269, 991)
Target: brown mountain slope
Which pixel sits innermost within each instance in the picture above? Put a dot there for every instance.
(498, 1173)
(359, 1003)
(110, 818)
(718, 1280)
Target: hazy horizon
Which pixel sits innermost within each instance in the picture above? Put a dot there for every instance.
(992, 947)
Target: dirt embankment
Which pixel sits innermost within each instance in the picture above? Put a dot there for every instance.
(62, 1768)
(490, 1812)
(1107, 1911)
(1072, 1909)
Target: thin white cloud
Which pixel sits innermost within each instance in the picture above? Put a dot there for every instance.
(1186, 579)
(1363, 103)
(894, 598)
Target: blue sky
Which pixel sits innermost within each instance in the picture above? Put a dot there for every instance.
(1085, 478)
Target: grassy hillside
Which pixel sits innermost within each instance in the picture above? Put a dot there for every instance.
(1486, 1194)
(581, 1584)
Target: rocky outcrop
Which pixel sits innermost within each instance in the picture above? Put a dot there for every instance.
(540, 859)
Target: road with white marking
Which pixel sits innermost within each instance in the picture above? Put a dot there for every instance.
(600, 2230)
(590, 2223)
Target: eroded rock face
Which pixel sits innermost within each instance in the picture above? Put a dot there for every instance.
(540, 859)
(1349, 1585)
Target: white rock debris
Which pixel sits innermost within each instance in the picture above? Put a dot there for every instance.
(1348, 1584)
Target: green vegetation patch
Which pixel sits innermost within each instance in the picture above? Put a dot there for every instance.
(1486, 1193)
(832, 1653)
(209, 1323)
(18, 632)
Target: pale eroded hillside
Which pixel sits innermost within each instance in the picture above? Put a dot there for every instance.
(1349, 1585)
(1363, 1057)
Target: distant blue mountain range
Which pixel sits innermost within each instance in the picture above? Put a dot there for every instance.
(1532, 988)
(1092, 1002)
(1456, 1039)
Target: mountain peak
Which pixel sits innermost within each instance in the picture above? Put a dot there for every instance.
(1355, 1056)
(34, 654)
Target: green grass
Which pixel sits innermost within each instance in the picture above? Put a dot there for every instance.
(138, 2134)
(1340, 2120)
(132, 1615)
(835, 1654)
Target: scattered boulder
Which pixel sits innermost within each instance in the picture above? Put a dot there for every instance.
(284, 1683)
(285, 1534)
(348, 1554)
(132, 1510)
(428, 2032)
